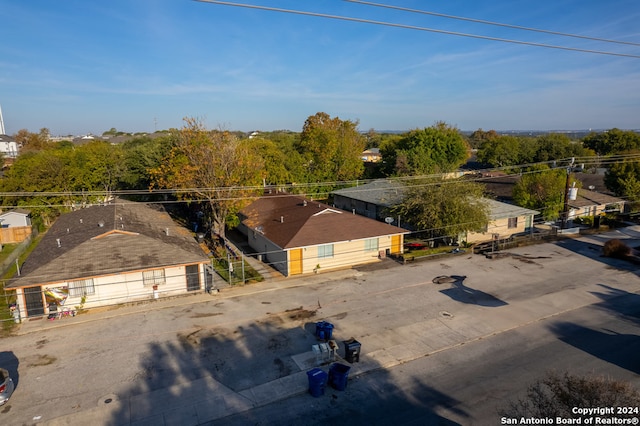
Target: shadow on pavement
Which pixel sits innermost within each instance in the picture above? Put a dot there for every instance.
(594, 252)
(370, 400)
(626, 304)
(461, 293)
(201, 370)
(10, 362)
(615, 348)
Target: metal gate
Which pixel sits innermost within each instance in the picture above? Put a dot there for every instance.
(193, 278)
(33, 301)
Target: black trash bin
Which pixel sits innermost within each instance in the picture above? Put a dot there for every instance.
(338, 376)
(352, 350)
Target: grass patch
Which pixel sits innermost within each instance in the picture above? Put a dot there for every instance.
(9, 296)
(425, 252)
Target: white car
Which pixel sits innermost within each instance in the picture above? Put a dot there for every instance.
(6, 386)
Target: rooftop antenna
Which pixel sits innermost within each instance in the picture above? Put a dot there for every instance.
(2, 132)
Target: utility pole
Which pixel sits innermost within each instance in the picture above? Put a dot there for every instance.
(565, 207)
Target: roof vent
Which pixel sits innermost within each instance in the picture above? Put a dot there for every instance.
(304, 203)
(80, 220)
(58, 241)
(166, 231)
(101, 224)
(281, 219)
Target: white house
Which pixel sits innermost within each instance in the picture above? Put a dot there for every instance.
(109, 254)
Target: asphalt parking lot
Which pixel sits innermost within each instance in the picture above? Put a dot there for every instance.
(200, 358)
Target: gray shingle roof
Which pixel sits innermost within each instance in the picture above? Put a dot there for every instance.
(381, 192)
(106, 239)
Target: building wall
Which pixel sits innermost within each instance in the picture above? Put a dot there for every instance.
(12, 219)
(500, 227)
(362, 208)
(345, 254)
(268, 252)
(122, 288)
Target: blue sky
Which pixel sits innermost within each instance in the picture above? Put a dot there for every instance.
(78, 66)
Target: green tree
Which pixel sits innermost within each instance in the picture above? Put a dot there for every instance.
(140, 156)
(439, 148)
(331, 148)
(98, 166)
(500, 151)
(623, 179)
(479, 137)
(275, 161)
(556, 146)
(614, 141)
(542, 189)
(444, 207)
(213, 167)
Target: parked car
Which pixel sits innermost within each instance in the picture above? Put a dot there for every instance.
(414, 246)
(6, 386)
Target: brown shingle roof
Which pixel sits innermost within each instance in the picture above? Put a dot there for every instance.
(105, 239)
(291, 221)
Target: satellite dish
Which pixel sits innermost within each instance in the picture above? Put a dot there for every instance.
(388, 219)
(591, 187)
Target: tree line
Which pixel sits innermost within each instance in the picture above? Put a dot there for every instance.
(222, 170)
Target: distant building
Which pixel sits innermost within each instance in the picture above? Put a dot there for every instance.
(8, 146)
(371, 155)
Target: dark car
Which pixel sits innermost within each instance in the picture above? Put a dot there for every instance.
(414, 246)
(6, 386)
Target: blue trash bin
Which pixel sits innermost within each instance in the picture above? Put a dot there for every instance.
(320, 330)
(338, 376)
(317, 382)
(328, 330)
(324, 330)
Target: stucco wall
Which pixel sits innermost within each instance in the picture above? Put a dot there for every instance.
(123, 288)
(500, 227)
(345, 254)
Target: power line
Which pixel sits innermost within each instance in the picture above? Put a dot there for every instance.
(413, 27)
(499, 24)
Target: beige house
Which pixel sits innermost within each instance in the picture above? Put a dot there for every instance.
(375, 198)
(110, 254)
(300, 236)
(505, 220)
(591, 203)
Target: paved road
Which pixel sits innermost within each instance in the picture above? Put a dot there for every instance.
(469, 384)
(202, 358)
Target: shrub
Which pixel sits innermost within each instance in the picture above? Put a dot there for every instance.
(617, 249)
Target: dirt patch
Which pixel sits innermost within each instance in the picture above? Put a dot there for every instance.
(298, 314)
(204, 315)
(39, 360)
(340, 316)
(40, 343)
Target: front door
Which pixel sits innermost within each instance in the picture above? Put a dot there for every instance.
(396, 244)
(33, 301)
(193, 278)
(295, 262)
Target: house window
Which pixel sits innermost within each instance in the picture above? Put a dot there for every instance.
(153, 277)
(81, 287)
(513, 222)
(325, 251)
(371, 244)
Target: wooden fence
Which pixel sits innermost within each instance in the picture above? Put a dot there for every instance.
(14, 235)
